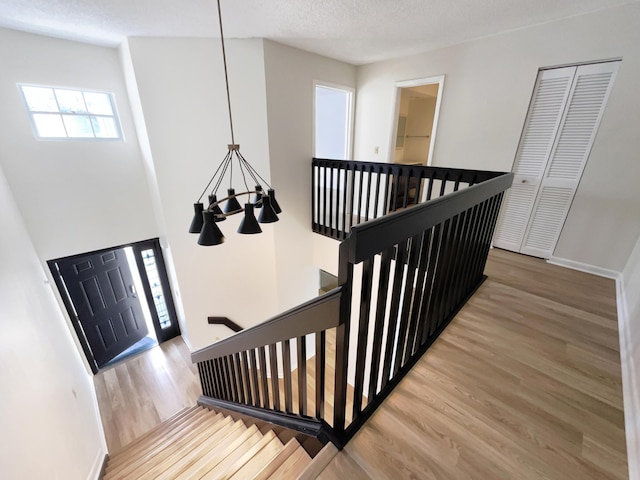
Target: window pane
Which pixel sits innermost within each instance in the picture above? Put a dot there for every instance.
(78, 126)
(40, 99)
(150, 266)
(104, 127)
(49, 125)
(70, 101)
(98, 103)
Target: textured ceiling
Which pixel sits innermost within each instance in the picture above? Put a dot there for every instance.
(356, 31)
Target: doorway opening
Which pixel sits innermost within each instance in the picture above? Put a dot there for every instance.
(416, 120)
(118, 299)
(333, 120)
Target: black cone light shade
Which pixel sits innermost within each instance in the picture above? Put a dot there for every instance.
(267, 214)
(210, 234)
(219, 216)
(196, 223)
(274, 202)
(249, 223)
(258, 197)
(232, 204)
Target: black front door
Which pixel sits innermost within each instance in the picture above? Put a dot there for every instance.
(101, 289)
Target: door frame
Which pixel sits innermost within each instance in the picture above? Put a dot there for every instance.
(398, 86)
(137, 247)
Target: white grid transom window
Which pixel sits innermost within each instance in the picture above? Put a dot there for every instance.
(64, 113)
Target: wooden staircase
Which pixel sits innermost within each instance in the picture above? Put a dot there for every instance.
(198, 443)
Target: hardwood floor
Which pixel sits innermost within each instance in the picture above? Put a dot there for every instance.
(140, 393)
(525, 383)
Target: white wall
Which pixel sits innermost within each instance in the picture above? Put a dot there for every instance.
(180, 85)
(48, 412)
(629, 314)
(489, 85)
(74, 196)
(290, 74)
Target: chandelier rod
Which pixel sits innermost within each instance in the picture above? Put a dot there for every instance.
(226, 76)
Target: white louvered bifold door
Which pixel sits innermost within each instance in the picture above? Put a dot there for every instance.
(561, 125)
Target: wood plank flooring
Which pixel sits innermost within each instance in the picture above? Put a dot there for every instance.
(136, 395)
(525, 383)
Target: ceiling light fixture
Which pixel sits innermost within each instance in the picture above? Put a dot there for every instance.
(205, 219)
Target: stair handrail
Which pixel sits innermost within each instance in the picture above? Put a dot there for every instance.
(317, 314)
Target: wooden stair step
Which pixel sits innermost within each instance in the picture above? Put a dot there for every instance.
(277, 461)
(320, 462)
(258, 462)
(214, 457)
(132, 451)
(164, 446)
(223, 468)
(292, 466)
(207, 447)
(171, 460)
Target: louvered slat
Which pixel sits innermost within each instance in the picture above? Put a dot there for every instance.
(548, 218)
(515, 216)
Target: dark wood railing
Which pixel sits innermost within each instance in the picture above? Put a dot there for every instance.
(347, 193)
(402, 277)
(226, 321)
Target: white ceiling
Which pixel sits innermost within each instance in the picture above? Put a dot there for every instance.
(355, 31)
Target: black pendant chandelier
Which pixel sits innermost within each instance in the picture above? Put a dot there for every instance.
(205, 220)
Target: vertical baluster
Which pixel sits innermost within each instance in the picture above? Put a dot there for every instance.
(345, 278)
(456, 185)
(387, 189)
(406, 182)
(495, 203)
(331, 210)
(345, 188)
(317, 210)
(360, 194)
(418, 296)
(401, 255)
(368, 195)
(440, 293)
(482, 214)
(253, 366)
(363, 331)
(273, 361)
(286, 366)
(450, 299)
(231, 378)
(443, 185)
(395, 185)
(262, 358)
(203, 383)
(381, 309)
(430, 186)
(222, 378)
(377, 194)
(314, 203)
(469, 247)
(351, 197)
(418, 193)
(434, 247)
(301, 345)
(214, 378)
(438, 273)
(238, 369)
(321, 338)
(326, 215)
(414, 253)
(246, 378)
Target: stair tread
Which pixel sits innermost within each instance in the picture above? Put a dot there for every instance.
(292, 466)
(258, 462)
(133, 452)
(164, 446)
(221, 470)
(213, 458)
(176, 459)
(276, 462)
(320, 462)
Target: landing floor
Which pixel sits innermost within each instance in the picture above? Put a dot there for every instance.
(525, 383)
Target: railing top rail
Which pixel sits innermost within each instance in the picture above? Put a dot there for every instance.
(320, 313)
(437, 173)
(374, 236)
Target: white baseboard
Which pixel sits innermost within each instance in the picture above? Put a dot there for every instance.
(630, 384)
(584, 267)
(96, 468)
